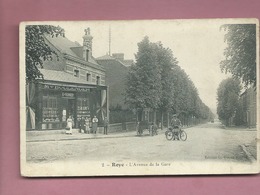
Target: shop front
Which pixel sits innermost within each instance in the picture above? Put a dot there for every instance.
(53, 103)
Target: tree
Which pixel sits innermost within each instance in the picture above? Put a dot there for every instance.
(240, 53)
(186, 100)
(143, 80)
(182, 91)
(166, 62)
(156, 81)
(36, 49)
(228, 97)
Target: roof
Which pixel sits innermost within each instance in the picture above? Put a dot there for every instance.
(66, 46)
(128, 62)
(61, 76)
(106, 57)
(123, 62)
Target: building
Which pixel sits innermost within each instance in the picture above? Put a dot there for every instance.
(248, 107)
(121, 57)
(116, 72)
(73, 85)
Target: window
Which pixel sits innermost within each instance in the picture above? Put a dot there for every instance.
(88, 77)
(82, 108)
(50, 110)
(76, 73)
(87, 55)
(83, 104)
(98, 80)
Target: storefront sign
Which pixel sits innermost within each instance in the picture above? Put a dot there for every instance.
(67, 95)
(65, 88)
(64, 112)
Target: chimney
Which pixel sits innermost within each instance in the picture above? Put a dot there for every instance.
(87, 45)
(119, 56)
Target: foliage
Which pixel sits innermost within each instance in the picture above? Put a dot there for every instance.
(239, 119)
(166, 62)
(186, 98)
(156, 81)
(143, 80)
(36, 50)
(227, 97)
(240, 53)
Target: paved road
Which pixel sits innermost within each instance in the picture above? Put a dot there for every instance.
(205, 143)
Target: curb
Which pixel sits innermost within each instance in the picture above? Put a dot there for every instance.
(86, 138)
(249, 156)
(78, 138)
(83, 138)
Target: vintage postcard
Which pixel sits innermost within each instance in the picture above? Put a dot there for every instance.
(143, 97)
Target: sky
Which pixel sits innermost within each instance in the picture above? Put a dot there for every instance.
(198, 45)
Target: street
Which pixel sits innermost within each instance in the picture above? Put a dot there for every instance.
(207, 142)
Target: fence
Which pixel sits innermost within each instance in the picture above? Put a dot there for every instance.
(119, 127)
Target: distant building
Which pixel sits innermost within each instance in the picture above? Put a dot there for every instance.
(73, 85)
(248, 107)
(116, 72)
(120, 57)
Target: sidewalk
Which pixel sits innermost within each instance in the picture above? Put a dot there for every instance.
(239, 128)
(60, 135)
(250, 149)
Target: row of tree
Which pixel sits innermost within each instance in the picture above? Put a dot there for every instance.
(228, 100)
(157, 82)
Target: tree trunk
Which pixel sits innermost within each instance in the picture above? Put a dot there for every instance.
(154, 117)
(162, 121)
(167, 119)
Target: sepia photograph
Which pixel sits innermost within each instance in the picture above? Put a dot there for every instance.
(139, 97)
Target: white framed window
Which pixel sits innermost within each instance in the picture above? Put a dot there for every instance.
(98, 80)
(76, 73)
(88, 77)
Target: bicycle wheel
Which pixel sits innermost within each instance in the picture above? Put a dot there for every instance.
(169, 135)
(183, 135)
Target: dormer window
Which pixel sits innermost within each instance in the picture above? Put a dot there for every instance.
(76, 73)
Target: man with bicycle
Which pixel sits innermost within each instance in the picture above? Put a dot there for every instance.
(176, 126)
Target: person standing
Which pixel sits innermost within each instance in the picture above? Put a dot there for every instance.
(81, 125)
(94, 124)
(106, 122)
(69, 125)
(176, 125)
(87, 125)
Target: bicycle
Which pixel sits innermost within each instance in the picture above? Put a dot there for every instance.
(172, 135)
(153, 130)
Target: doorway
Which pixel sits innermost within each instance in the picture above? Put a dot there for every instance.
(71, 110)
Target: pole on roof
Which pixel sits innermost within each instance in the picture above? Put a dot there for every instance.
(109, 41)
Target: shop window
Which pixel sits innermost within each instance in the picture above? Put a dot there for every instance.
(88, 77)
(83, 108)
(76, 73)
(50, 110)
